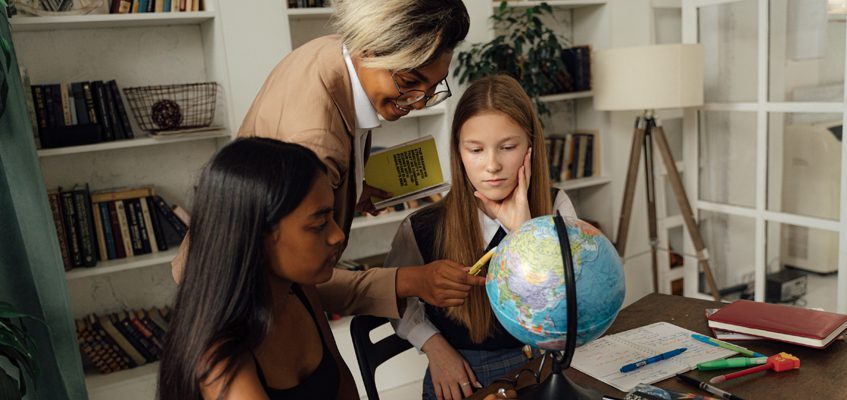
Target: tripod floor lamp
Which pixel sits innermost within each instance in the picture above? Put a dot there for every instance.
(649, 78)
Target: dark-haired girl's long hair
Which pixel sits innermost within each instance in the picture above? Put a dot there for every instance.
(223, 306)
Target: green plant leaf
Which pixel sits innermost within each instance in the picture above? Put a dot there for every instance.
(9, 388)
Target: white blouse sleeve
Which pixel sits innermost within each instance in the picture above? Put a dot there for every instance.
(413, 325)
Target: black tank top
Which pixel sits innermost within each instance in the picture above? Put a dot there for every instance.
(423, 226)
(322, 383)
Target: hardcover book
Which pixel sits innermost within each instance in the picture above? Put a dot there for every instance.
(409, 170)
(779, 322)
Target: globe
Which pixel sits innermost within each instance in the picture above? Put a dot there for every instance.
(526, 283)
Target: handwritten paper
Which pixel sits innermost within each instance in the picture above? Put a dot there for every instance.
(603, 358)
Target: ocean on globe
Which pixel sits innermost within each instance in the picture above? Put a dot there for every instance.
(526, 283)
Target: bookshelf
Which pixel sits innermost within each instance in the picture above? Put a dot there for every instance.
(134, 50)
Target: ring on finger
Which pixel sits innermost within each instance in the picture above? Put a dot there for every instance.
(465, 383)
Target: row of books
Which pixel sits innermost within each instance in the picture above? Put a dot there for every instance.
(308, 3)
(149, 6)
(112, 224)
(69, 114)
(124, 339)
(578, 64)
(573, 156)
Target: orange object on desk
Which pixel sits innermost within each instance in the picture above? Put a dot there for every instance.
(778, 362)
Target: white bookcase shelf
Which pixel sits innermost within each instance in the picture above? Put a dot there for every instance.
(137, 142)
(552, 3)
(123, 264)
(23, 24)
(120, 379)
(581, 183)
(364, 222)
(565, 96)
(313, 12)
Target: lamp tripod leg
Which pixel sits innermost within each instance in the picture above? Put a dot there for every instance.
(650, 181)
(629, 188)
(685, 210)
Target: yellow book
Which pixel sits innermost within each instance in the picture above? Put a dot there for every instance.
(409, 170)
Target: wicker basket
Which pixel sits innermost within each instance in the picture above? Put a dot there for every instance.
(173, 107)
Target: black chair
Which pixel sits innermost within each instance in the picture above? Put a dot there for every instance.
(369, 354)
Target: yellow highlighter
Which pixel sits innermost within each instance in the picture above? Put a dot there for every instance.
(481, 263)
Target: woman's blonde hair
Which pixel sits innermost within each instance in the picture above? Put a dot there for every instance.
(459, 237)
(400, 34)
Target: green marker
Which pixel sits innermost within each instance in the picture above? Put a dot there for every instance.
(737, 362)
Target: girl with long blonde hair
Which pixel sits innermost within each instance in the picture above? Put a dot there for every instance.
(500, 179)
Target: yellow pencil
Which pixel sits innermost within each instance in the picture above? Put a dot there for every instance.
(481, 263)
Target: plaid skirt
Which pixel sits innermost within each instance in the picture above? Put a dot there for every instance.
(488, 365)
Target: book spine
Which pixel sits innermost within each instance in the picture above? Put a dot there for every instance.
(124, 228)
(157, 330)
(161, 244)
(85, 225)
(170, 216)
(112, 112)
(108, 235)
(79, 103)
(143, 230)
(99, 231)
(70, 216)
(40, 103)
(90, 105)
(121, 340)
(56, 210)
(152, 236)
(156, 316)
(106, 340)
(102, 111)
(134, 228)
(121, 110)
(142, 345)
(66, 104)
(116, 230)
(145, 332)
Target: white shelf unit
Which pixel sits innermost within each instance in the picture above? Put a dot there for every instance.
(552, 3)
(123, 264)
(310, 12)
(552, 98)
(136, 142)
(581, 183)
(100, 21)
(134, 50)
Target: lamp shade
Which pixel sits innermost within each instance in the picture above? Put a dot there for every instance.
(648, 77)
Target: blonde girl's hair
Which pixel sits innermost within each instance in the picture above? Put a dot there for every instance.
(400, 34)
(459, 237)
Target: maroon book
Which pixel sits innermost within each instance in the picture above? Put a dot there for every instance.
(784, 323)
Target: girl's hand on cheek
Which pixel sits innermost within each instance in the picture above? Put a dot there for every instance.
(514, 209)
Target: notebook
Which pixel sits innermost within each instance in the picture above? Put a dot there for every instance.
(603, 358)
(784, 323)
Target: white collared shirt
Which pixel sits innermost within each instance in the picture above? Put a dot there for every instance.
(366, 119)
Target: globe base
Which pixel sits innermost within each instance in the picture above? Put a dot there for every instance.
(558, 386)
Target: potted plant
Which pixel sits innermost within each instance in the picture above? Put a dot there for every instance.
(18, 349)
(527, 50)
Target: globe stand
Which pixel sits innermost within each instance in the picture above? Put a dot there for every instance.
(558, 386)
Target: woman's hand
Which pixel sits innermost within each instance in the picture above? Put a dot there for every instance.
(514, 209)
(365, 204)
(442, 283)
(452, 376)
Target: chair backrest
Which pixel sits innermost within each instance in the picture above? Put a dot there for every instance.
(369, 354)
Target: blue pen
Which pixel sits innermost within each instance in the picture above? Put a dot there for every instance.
(660, 357)
(729, 346)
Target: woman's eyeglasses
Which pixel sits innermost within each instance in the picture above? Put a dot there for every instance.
(440, 92)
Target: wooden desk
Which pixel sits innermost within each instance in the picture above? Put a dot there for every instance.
(822, 373)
